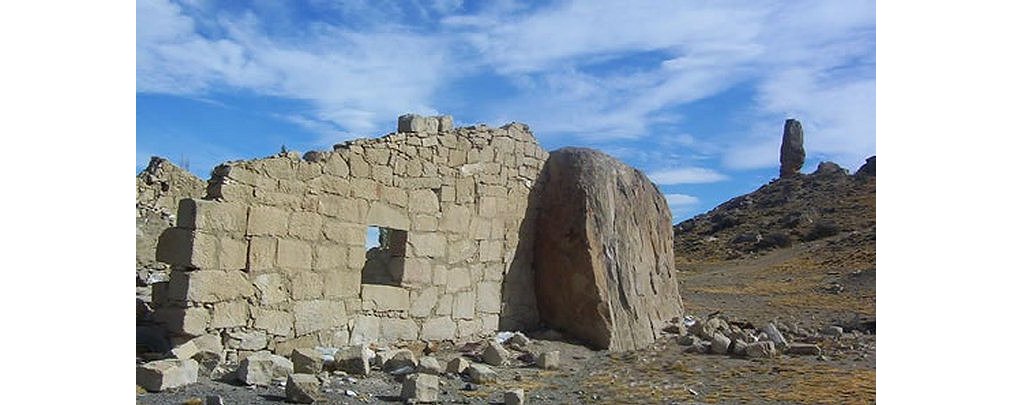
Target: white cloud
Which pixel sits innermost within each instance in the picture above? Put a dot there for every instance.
(358, 77)
(692, 51)
(358, 81)
(680, 205)
(681, 199)
(838, 118)
(686, 175)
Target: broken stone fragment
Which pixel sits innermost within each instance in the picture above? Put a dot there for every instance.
(761, 349)
(398, 359)
(518, 340)
(417, 123)
(687, 340)
(548, 360)
(262, 367)
(164, 374)
(353, 359)
(302, 388)
(457, 365)
(774, 335)
(307, 361)
(514, 397)
(738, 348)
(420, 388)
(481, 373)
(429, 365)
(832, 330)
(205, 349)
(719, 344)
(701, 347)
(494, 353)
(242, 340)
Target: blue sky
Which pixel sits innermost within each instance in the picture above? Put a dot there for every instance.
(692, 93)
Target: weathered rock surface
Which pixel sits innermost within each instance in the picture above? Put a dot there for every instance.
(548, 360)
(205, 349)
(514, 397)
(420, 388)
(792, 149)
(832, 330)
(763, 349)
(458, 365)
(262, 367)
(481, 373)
(518, 340)
(774, 335)
(719, 344)
(494, 353)
(738, 348)
(164, 374)
(430, 365)
(353, 359)
(398, 359)
(830, 169)
(867, 169)
(307, 361)
(604, 262)
(302, 388)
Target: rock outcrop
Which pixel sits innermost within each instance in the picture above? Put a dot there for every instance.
(604, 263)
(792, 149)
(867, 169)
(786, 211)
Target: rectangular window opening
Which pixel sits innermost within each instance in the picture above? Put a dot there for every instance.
(384, 257)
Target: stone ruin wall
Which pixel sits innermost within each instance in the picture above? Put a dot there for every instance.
(273, 256)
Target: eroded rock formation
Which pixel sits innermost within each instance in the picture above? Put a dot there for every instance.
(604, 262)
(792, 149)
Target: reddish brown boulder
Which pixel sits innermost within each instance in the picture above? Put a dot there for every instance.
(604, 262)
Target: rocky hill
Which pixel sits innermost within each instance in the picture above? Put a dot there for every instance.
(793, 208)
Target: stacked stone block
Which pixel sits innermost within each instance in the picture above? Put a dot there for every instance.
(272, 258)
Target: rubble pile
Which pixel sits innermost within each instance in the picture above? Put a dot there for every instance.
(723, 336)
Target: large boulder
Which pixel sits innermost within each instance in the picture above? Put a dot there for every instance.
(792, 149)
(604, 261)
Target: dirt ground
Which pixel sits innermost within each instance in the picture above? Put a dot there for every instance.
(806, 287)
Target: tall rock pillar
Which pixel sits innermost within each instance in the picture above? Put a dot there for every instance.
(792, 149)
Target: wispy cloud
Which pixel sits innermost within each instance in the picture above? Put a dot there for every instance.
(681, 199)
(354, 80)
(686, 175)
(560, 70)
(680, 204)
(684, 52)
